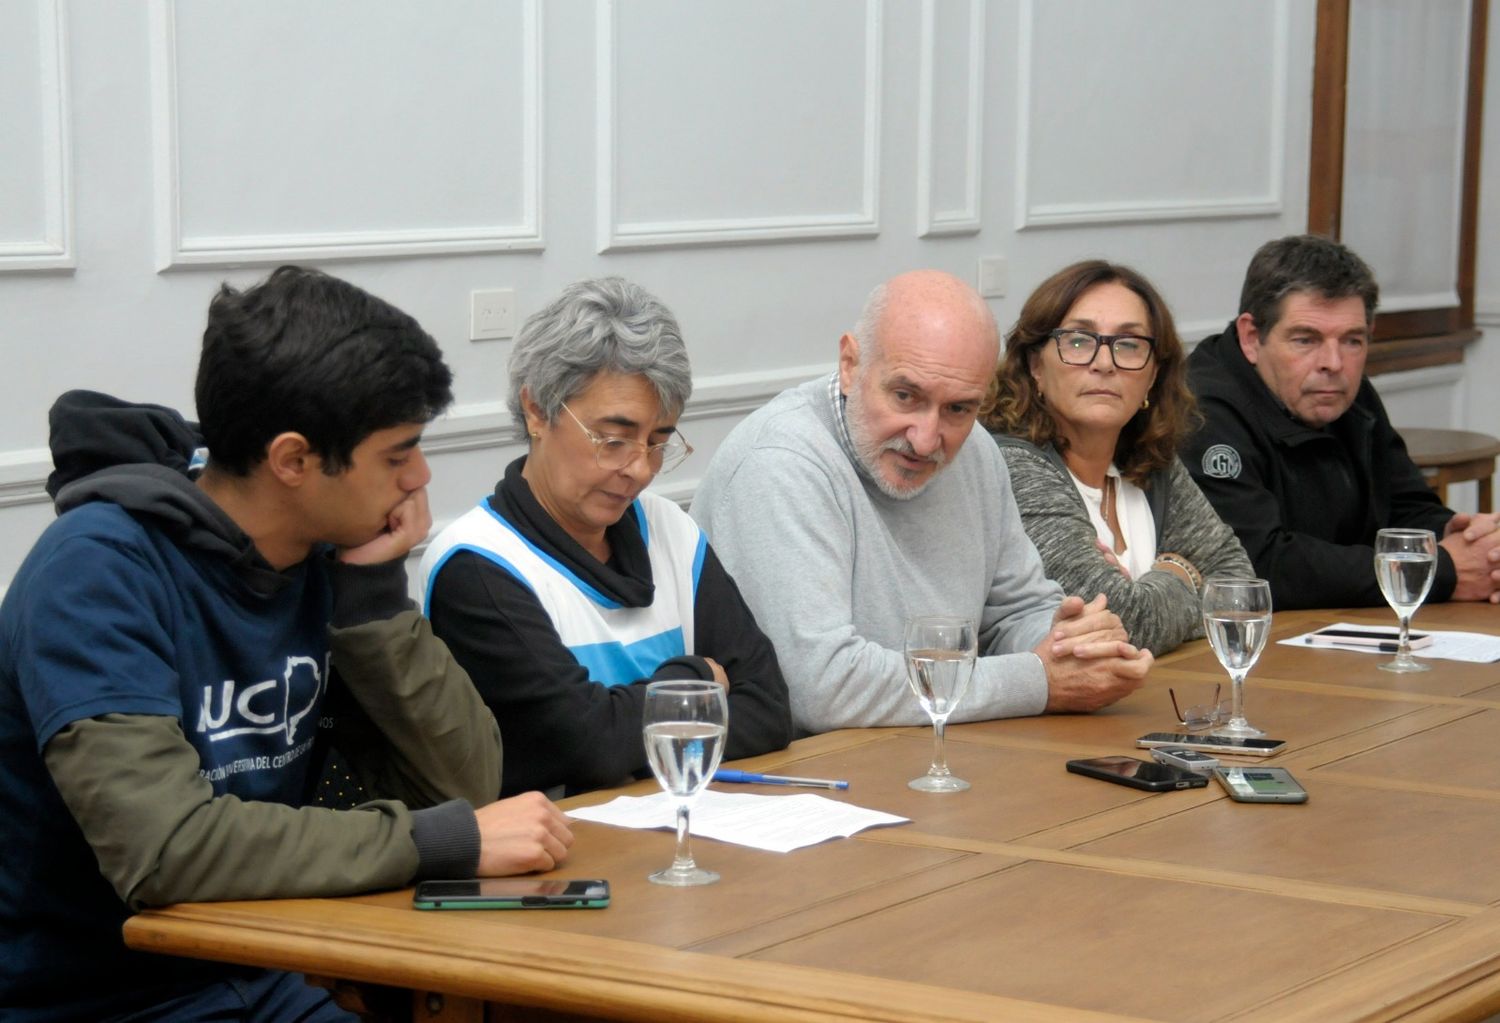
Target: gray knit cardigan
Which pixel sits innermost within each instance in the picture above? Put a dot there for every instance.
(1160, 611)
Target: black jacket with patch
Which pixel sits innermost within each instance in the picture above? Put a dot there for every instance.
(1305, 502)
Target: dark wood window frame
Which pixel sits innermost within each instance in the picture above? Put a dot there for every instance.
(1411, 338)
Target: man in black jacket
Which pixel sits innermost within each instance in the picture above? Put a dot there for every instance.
(1296, 452)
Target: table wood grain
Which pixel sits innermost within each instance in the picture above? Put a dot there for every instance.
(1036, 896)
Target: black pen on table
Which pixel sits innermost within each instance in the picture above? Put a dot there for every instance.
(750, 777)
(1380, 648)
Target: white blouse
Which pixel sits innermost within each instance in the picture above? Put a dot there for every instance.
(1136, 521)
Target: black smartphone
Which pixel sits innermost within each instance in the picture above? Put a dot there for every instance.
(1212, 743)
(1138, 774)
(512, 893)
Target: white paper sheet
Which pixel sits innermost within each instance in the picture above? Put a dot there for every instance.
(776, 823)
(1474, 647)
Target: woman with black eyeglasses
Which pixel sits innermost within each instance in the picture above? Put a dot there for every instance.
(1091, 405)
(571, 587)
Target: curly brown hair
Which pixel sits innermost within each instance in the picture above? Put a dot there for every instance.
(1149, 441)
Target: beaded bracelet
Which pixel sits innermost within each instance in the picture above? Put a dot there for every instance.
(1195, 578)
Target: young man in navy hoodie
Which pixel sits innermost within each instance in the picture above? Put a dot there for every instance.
(179, 652)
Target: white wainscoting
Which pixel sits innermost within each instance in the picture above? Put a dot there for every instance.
(760, 166)
(23, 476)
(1431, 397)
(950, 111)
(36, 180)
(684, 148)
(1098, 143)
(1438, 397)
(458, 168)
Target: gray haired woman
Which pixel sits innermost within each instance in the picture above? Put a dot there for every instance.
(570, 587)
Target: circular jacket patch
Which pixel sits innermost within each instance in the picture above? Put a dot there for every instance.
(1221, 462)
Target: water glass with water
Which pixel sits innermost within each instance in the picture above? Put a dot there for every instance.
(1237, 620)
(940, 652)
(1405, 563)
(684, 727)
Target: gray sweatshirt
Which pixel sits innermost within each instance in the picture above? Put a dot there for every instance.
(833, 568)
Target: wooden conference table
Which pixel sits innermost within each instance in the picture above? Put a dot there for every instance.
(1038, 895)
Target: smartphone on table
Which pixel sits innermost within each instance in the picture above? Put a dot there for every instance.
(1187, 759)
(1213, 743)
(1373, 636)
(1260, 784)
(512, 893)
(1138, 774)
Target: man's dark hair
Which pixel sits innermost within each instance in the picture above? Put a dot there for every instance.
(1304, 263)
(306, 352)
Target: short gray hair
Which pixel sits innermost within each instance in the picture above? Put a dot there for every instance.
(604, 324)
(867, 330)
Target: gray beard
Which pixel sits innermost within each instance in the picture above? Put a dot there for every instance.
(867, 452)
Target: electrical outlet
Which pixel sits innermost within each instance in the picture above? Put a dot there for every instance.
(492, 314)
(992, 274)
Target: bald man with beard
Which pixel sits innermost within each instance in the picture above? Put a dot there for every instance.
(851, 503)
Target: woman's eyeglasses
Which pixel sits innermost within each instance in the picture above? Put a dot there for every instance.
(1078, 347)
(615, 453)
(1200, 716)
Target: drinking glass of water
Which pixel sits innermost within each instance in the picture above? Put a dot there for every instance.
(940, 655)
(684, 727)
(1405, 563)
(1237, 619)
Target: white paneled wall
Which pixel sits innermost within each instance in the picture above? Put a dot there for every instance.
(716, 124)
(35, 182)
(281, 135)
(1104, 140)
(950, 118)
(758, 165)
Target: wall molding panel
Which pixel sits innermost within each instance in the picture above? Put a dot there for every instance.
(474, 427)
(54, 250)
(931, 220)
(23, 477)
(738, 394)
(759, 164)
(616, 235)
(175, 248)
(1411, 394)
(1266, 201)
(1391, 303)
(1421, 379)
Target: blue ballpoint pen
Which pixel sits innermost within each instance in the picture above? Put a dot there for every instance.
(777, 779)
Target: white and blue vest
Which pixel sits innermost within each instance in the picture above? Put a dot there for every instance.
(616, 644)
